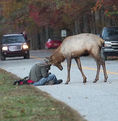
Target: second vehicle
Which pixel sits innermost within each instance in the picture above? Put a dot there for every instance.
(110, 35)
(52, 44)
(13, 45)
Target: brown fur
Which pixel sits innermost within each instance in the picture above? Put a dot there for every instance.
(58, 57)
(74, 47)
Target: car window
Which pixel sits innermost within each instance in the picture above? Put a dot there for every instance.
(12, 39)
(110, 32)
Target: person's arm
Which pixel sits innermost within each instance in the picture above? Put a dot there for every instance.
(44, 72)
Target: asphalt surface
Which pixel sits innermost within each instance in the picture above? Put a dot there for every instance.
(94, 101)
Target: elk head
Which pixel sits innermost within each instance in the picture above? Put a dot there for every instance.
(54, 61)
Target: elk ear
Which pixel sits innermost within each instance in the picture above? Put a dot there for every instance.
(47, 59)
(53, 57)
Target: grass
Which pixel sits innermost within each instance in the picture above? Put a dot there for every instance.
(27, 103)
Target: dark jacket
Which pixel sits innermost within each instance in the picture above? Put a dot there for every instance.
(38, 71)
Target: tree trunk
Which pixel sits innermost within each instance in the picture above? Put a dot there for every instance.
(76, 27)
(34, 40)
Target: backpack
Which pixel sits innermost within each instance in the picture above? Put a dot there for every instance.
(23, 81)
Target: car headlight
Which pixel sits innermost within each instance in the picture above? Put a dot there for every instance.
(107, 44)
(25, 46)
(4, 48)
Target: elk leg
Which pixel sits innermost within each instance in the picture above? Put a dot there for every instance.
(97, 57)
(68, 69)
(104, 70)
(80, 68)
(98, 71)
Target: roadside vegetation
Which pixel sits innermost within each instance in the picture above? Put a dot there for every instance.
(27, 103)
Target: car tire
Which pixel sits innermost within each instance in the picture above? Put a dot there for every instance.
(3, 57)
(104, 56)
(27, 56)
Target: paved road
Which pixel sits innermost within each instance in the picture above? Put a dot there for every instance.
(96, 102)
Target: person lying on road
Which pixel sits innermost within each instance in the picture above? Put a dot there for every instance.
(41, 75)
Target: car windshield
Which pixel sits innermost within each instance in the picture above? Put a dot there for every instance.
(110, 32)
(12, 39)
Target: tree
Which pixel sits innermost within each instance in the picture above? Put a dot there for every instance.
(42, 19)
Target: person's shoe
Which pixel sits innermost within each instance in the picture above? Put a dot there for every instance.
(51, 82)
(60, 81)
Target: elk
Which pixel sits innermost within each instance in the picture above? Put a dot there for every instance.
(73, 47)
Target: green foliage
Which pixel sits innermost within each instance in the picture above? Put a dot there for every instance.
(52, 13)
(28, 14)
(110, 7)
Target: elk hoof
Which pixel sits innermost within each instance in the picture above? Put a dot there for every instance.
(105, 80)
(66, 83)
(95, 81)
(84, 81)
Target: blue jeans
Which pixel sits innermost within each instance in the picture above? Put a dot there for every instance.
(42, 81)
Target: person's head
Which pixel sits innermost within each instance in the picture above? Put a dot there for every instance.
(55, 63)
(46, 60)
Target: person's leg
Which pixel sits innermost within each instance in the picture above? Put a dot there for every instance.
(40, 82)
(53, 78)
